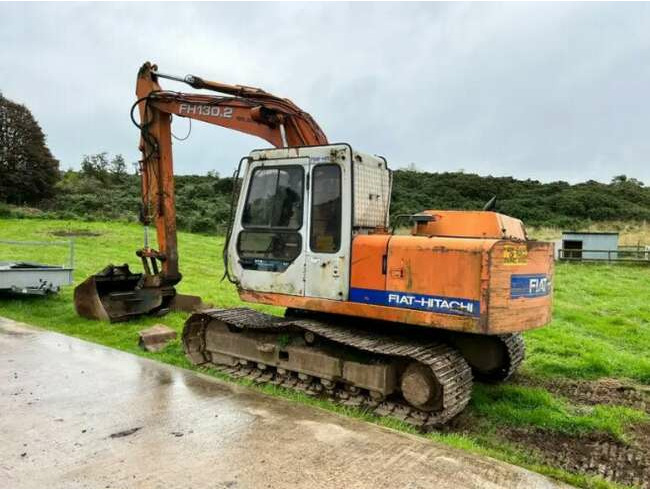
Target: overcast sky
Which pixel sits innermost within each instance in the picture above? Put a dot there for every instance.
(554, 91)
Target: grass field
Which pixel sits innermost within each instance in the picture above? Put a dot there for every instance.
(599, 338)
(631, 234)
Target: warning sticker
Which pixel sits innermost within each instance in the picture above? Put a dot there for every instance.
(515, 255)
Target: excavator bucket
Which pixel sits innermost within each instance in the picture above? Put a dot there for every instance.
(116, 294)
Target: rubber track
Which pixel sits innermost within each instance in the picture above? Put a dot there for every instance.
(448, 366)
(516, 353)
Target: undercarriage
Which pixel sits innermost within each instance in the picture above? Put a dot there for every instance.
(422, 379)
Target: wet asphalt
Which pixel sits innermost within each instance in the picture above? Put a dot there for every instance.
(76, 414)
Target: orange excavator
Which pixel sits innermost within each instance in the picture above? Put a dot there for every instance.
(399, 324)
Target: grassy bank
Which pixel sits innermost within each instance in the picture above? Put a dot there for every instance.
(631, 233)
(601, 330)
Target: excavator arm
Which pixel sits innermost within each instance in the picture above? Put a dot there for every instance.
(248, 110)
(115, 293)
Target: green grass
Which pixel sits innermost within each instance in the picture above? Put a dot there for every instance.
(200, 263)
(601, 325)
(601, 328)
(535, 407)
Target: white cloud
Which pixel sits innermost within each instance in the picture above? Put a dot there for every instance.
(550, 91)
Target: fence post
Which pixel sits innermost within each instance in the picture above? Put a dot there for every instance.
(72, 253)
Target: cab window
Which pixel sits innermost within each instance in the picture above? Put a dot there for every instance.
(272, 218)
(260, 249)
(275, 198)
(325, 232)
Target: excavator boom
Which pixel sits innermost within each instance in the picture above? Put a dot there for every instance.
(116, 293)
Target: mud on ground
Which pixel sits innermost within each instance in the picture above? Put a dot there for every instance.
(592, 454)
(76, 233)
(604, 391)
(596, 454)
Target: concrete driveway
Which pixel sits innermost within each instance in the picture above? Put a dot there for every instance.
(75, 414)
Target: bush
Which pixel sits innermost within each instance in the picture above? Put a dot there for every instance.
(203, 202)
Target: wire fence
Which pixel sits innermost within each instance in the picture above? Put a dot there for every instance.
(637, 255)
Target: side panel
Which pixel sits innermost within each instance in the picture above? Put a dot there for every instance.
(435, 274)
(372, 186)
(506, 278)
(368, 264)
(442, 276)
(45, 279)
(521, 286)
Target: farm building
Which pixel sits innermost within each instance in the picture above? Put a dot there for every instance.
(589, 245)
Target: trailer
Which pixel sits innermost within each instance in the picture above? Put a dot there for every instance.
(35, 278)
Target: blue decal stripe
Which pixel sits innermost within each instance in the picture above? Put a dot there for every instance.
(529, 285)
(434, 304)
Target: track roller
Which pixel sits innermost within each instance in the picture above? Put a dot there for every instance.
(423, 382)
(421, 388)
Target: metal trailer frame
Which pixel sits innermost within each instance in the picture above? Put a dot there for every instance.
(30, 278)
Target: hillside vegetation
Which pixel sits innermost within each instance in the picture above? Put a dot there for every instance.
(536, 203)
(103, 190)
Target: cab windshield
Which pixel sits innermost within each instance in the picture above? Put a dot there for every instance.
(275, 198)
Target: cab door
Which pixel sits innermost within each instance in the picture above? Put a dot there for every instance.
(328, 241)
(267, 249)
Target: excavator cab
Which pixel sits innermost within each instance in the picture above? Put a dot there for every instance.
(293, 225)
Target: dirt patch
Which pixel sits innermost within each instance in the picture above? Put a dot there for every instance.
(604, 391)
(464, 423)
(595, 454)
(75, 233)
(592, 454)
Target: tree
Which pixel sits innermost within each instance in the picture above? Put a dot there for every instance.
(118, 168)
(624, 180)
(96, 166)
(28, 171)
